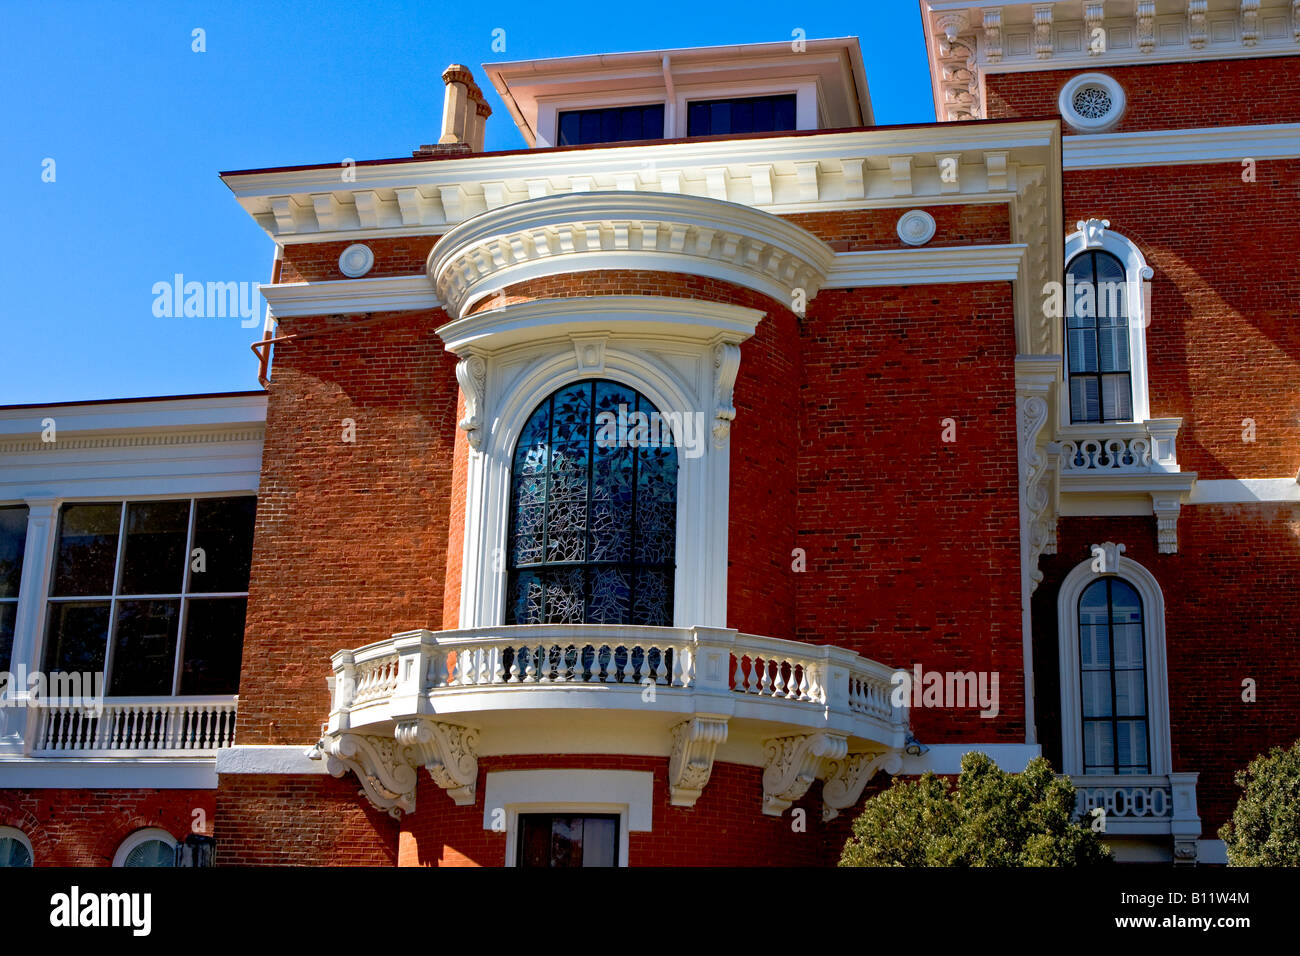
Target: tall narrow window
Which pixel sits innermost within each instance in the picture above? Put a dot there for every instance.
(152, 594)
(1097, 339)
(593, 511)
(13, 540)
(1113, 662)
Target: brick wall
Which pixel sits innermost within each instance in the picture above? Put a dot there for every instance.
(1223, 343)
(1163, 95)
(912, 542)
(302, 820)
(319, 261)
(853, 230)
(351, 538)
(1231, 604)
(86, 827)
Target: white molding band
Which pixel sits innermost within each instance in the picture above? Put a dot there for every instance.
(927, 265)
(1181, 147)
(43, 773)
(391, 294)
(1224, 491)
(268, 759)
(946, 758)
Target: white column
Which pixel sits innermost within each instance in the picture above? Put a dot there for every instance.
(33, 587)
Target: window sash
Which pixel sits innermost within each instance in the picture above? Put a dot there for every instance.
(1116, 735)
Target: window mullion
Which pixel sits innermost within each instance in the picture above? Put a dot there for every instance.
(186, 585)
(112, 602)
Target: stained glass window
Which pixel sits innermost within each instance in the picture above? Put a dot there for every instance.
(1112, 657)
(593, 531)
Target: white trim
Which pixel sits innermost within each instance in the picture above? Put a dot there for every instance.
(648, 343)
(1243, 491)
(14, 833)
(1085, 124)
(268, 759)
(628, 793)
(1096, 234)
(1153, 625)
(946, 758)
(356, 260)
(334, 297)
(1177, 147)
(926, 266)
(139, 837)
(43, 773)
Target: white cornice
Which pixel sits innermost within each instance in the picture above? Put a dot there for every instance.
(926, 265)
(398, 293)
(1175, 147)
(558, 235)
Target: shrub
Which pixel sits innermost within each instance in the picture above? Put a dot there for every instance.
(992, 818)
(1265, 826)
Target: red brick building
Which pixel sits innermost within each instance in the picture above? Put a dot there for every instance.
(653, 494)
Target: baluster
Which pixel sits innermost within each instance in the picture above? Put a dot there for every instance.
(778, 682)
(679, 667)
(804, 685)
(766, 684)
(599, 664)
(653, 663)
(485, 665)
(739, 680)
(498, 665)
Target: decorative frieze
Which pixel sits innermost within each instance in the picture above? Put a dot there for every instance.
(958, 79)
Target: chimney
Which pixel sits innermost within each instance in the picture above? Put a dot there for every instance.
(464, 112)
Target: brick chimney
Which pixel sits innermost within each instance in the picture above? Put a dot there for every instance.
(464, 113)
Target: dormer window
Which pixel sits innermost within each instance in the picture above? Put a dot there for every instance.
(751, 114)
(615, 124)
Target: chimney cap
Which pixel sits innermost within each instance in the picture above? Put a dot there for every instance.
(458, 73)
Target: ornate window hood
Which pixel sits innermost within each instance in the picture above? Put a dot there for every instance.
(566, 234)
(436, 699)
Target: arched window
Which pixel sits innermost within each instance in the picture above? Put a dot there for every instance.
(15, 848)
(1098, 354)
(1113, 680)
(152, 847)
(593, 510)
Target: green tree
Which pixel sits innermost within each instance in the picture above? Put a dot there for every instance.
(1265, 827)
(992, 818)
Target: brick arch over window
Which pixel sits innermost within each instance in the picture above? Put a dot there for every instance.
(1108, 564)
(593, 510)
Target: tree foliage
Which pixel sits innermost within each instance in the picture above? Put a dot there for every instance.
(992, 818)
(1265, 826)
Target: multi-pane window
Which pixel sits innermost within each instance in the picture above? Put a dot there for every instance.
(152, 593)
(13, 540)
(1112, 658)
(750, 114)
(593, 511)
(614, 124)
(1097, 340)
(564, 840)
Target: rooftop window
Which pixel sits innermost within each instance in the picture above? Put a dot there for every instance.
(751, 114)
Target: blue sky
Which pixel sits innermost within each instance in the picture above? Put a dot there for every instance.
(138, 126)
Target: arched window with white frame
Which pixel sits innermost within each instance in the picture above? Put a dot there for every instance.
(1107, 307)
(1114, 686)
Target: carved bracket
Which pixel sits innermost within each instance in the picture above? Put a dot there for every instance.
(793, 763)
(1166, 508)
(846, 778)
(1036, 466)
(386, 765)
(694, 743)
(726, 365)
(446, 751)
(471, 373)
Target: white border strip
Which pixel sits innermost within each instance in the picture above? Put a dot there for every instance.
(946, 758)
(41, 773)
(1243, 491)
(1180, 147)
(290, 759)
(399, 293)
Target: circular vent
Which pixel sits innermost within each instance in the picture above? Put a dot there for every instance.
(1092, 103)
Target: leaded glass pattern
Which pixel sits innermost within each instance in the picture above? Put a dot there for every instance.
(1112, 659)
(593, 529)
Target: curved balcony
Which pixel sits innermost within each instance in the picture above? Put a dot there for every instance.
(425, 697)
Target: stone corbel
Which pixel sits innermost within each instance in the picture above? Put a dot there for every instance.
(446, 751)
(1146, 25)
(793, 763)
(1093, 231)
(695, 741)
(848, 777)
(1196, 31)
(1043, 31)
(1037, 458)
(726, 365)
(1166, 508)
(387, 780)
(1249, 22)
(471, 373)
(993, 35)
(1094, 19)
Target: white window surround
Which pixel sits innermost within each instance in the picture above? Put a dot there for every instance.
(680, 354)
(1153, 616)
(1091, 124)
(1096, 234)
(13, 833)
(138, 838)
(628, 794)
